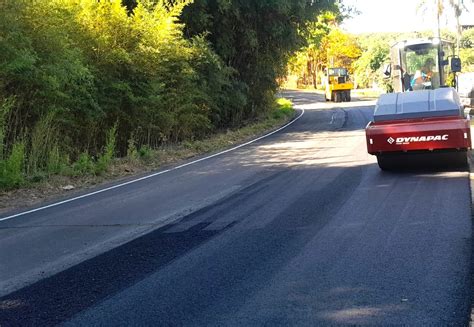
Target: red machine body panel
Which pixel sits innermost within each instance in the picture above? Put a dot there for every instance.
(421, 134)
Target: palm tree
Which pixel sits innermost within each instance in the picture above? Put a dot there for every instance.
(457, 6)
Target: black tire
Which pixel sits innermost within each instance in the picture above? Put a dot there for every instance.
(385, 163)
(344, 96)
(333, 96)
(460, 159)
(423, 161)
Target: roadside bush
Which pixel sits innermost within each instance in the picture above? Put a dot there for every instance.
(11, 169)
(5, 109)
(43, 140)
(57, 162)
(132, 152)
(145, 152)
(106, 157)
(283, 108)
(84, 165)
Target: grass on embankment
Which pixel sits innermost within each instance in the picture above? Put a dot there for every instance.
(145, 159)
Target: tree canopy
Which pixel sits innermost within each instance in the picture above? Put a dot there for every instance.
(326, 45)
(256, 38)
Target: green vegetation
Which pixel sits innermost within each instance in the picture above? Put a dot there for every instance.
(466, 51)
(281, 111)
(309, 63)
(284, 108)
(256, 39)
(11, 168)
(82, 81)
(367, 68)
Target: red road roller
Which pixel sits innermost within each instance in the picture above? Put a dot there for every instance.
(427, 127)
(424, 121)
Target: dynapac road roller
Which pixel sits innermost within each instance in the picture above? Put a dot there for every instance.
(423, 122)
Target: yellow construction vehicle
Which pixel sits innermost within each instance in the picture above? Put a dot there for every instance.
(338, 85)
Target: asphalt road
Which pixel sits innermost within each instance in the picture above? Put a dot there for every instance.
(300, 228)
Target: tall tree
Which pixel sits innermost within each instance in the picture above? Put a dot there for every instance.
(327, 46)
(342, 49)
(316, 56)
(256, 38)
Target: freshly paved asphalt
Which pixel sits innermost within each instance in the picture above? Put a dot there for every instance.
(300, 228)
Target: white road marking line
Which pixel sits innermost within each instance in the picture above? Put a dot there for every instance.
(55, 204)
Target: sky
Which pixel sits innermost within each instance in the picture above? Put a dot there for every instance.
(395, 16)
